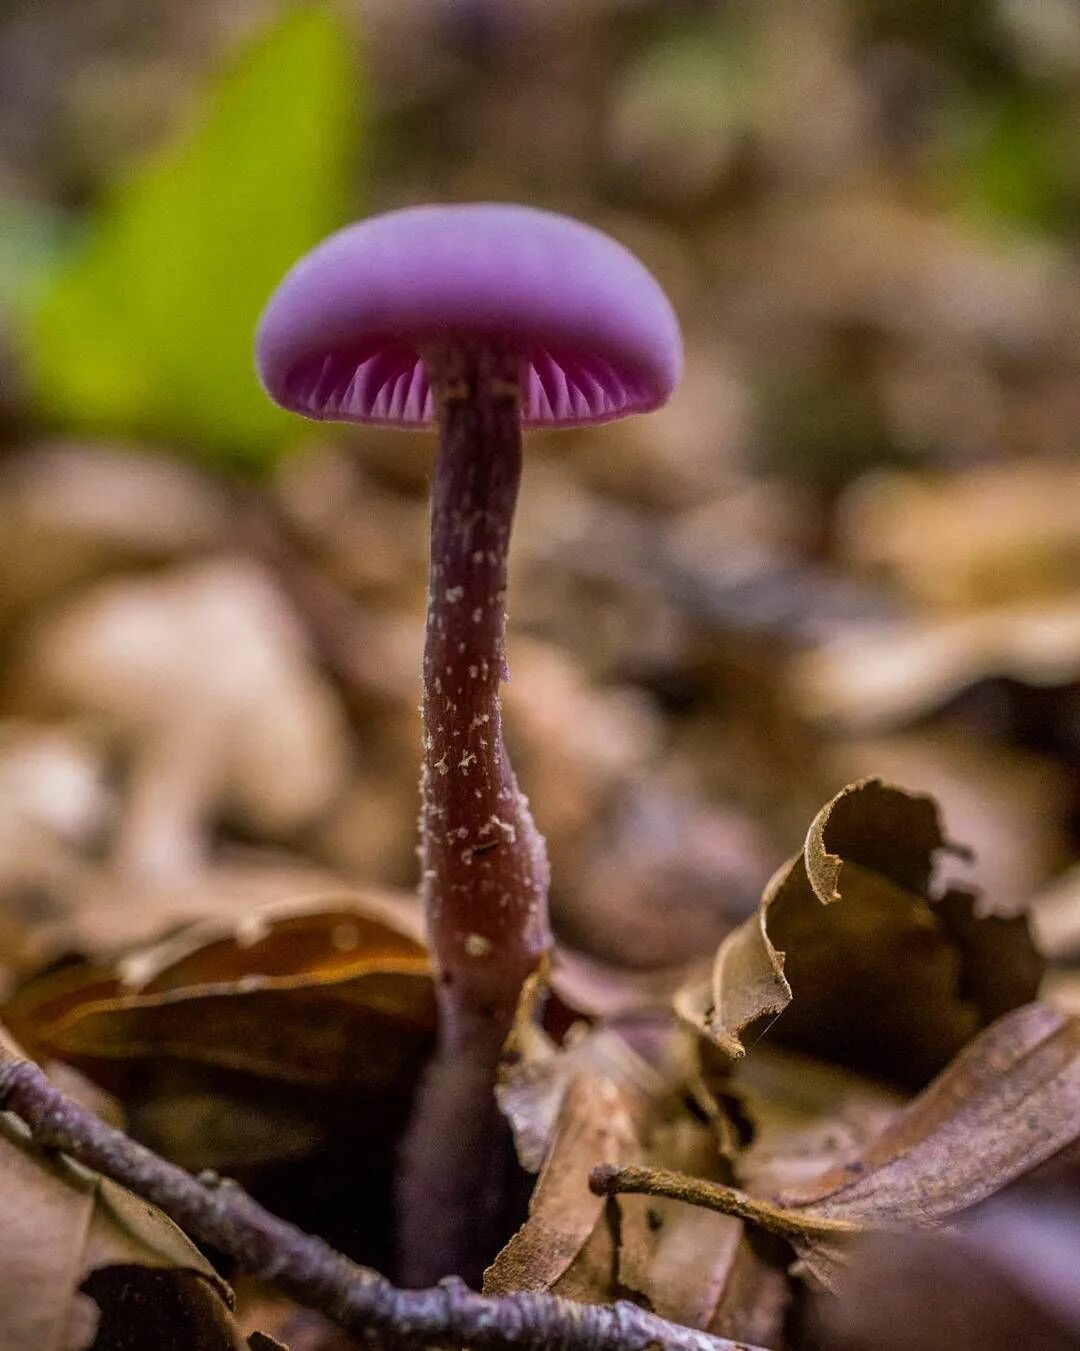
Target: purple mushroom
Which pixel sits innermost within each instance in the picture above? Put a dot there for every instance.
(480, 319)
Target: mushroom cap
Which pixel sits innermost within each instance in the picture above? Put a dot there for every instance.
(343, 335)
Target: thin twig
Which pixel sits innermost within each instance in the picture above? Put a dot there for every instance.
(609, 1180)
(314, 1274)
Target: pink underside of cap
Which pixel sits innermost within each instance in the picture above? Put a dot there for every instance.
(342, 338)
(390, 385)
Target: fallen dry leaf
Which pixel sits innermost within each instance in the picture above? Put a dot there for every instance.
(82, 1258)
(617, 1094)
(1008, 806)
(694, 1266)
(682, 1261)
(642, 1051)
(58, 907)
(1006, 1105)
(328, 994)
(594, 1125)
(869, 965)
(806, 1117)
(1012, 1097)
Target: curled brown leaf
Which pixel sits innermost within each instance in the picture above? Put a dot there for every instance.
(870, 965)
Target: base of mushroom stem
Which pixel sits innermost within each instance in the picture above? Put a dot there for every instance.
(461, 1192)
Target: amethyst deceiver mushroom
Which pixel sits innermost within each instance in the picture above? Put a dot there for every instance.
(480, 319)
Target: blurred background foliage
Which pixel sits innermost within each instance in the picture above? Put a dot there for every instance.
(144, 326)
(157, 188)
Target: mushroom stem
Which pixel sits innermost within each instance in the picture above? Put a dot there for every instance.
(485, 872)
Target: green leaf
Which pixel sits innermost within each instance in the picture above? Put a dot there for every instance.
(1013, 169)
(148, 329)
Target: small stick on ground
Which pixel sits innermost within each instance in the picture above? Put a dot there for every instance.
(309, 1271)
(609, 1180)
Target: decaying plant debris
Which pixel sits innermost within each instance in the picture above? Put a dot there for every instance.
(711, 1182)
(795, 687)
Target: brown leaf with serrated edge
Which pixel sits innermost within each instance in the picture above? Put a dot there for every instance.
(869, 967)
(289, 994)
(79, 1253)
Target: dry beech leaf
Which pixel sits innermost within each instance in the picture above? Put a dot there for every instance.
(618, 1093)
(1009, 806)
(694, 1266)
(806, 1117)
(645, 1053)
(530, 1093)
(1009, 1102)
(327, 994)
(81, 1257)
(594, 1126)
(676, 1257)
(869, 966)
(94, 912)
